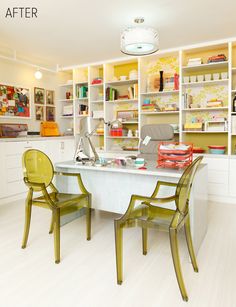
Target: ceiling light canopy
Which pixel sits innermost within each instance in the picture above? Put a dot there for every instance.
(139, 40)
(38, 75)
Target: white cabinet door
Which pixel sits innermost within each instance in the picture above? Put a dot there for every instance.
(232, 178)
(2, 171)
(67, 148)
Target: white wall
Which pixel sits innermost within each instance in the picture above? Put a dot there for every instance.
(12, 73)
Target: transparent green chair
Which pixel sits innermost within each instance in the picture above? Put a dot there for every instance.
(144, 212)
(38, 175)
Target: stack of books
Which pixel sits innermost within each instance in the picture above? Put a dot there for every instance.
(217, 58)
(194, 62)
(214, 103)
(151, 107)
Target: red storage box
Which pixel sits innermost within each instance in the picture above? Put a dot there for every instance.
(174, 155)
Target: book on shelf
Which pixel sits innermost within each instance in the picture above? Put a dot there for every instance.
(133, 91)
(187, 101)
(233, 128)
(111, 94)
(82, 91)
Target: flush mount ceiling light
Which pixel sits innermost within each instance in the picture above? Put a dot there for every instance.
(38, 75)
(139, 40)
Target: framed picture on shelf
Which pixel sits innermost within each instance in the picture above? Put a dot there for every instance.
(39, 113)
(50, 114)
(39, 95)
(127, 115)
(49, 97)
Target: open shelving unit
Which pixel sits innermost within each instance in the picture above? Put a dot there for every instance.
(169, 105)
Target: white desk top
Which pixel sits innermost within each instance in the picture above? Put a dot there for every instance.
(150, 171)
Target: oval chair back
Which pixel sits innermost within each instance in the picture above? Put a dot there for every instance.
(184, 186)
(37, 167)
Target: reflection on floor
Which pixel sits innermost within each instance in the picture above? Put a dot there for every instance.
(86, 276)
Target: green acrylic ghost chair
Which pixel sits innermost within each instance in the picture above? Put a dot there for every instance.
(38, 175)
(147, 214)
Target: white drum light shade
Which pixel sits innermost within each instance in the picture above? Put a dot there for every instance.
(139, 40)
(38, 75)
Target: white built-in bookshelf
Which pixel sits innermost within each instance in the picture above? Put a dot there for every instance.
(173, 109)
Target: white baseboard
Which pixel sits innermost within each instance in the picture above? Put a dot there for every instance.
(7, 200)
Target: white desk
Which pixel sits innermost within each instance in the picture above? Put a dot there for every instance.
(112, 186)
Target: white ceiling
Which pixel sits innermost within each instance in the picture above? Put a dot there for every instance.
(75, 31)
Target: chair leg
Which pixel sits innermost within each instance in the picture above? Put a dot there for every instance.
(28, 209)
(176, 261)
(144, 240)
(119, 251)
(51, 226)
(190, 243)
(56, 231)
(88, 218)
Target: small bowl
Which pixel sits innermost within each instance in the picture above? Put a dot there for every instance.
(139, 162)
(216, 76)
(123, 78)
(186, 79)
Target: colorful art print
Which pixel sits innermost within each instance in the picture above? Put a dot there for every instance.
(50, 114)
(49, 97)
(14, 101)
(39, 95)
(39, 113)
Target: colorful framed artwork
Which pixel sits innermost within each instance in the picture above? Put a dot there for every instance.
(49, 97)
(39, 95)
(14, 101)
(39, 113)
(50, 114)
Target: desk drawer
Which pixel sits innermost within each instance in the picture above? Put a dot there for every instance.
(217, 177)
(218, 189)
(219, 164)
(17, 147)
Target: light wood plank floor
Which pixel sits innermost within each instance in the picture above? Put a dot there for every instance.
(86, 276)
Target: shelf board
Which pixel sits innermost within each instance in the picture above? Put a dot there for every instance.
(205, 109)
(158, 113)
(81, 98)
(79, 116)
(50, 105)
(65, 100)
(122, 137)
(119, 82)
(97, 101)
(130, 123)
(206, 66)
(96, 85)
(205, 82)
(97, 134)
(122, 101)
(66, 85)
(81, 83)
(205, 131)
(234, 113)
(233, 91)
(160, 93)
(67, 116)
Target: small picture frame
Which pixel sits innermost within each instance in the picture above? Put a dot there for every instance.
(50, 114)
(39, 95)
(49, 97)
(39, 113)
(127, 115)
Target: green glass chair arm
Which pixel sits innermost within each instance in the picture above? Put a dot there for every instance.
(42, 187)
(162, 183)
(80, 182)
(144, 200)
